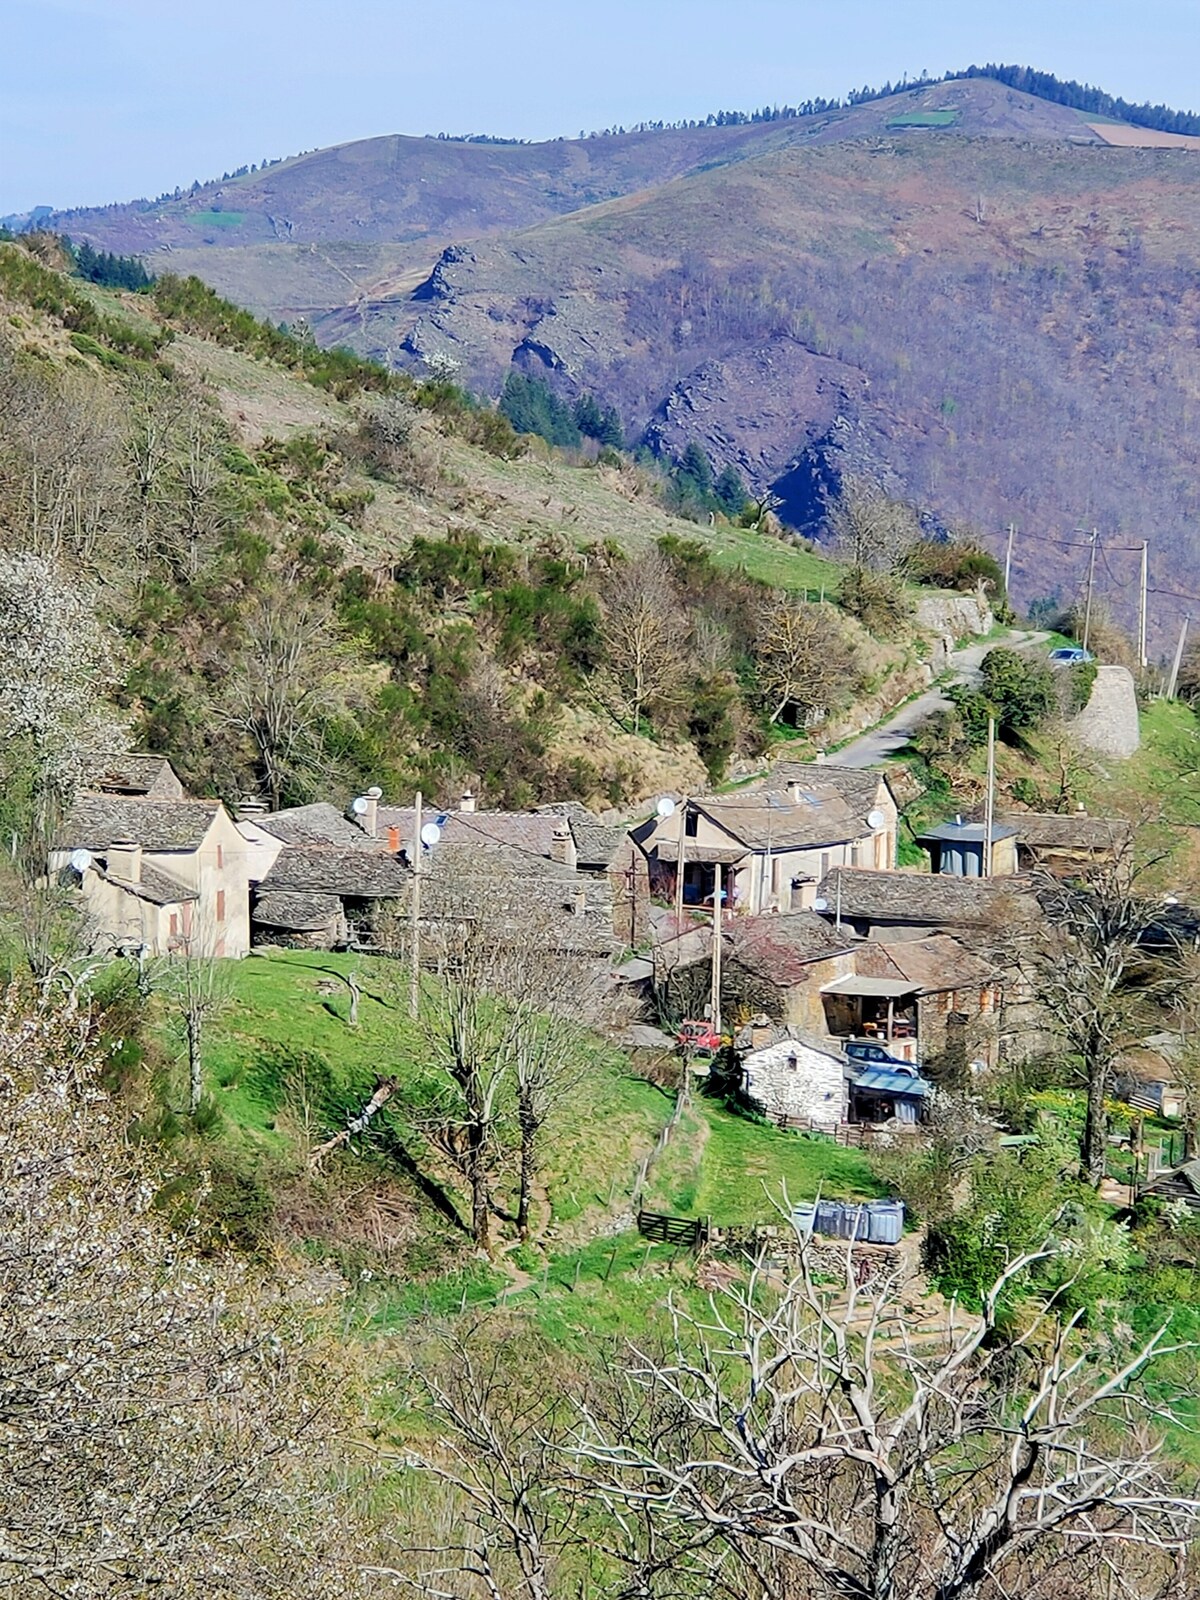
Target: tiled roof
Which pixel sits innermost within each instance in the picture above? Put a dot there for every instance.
(296, 911)
(97, 820)
(316, 824)
(781, 948)
(329, 869)
(858, 787)
(596, 842)
(156, 887)
(921, 897)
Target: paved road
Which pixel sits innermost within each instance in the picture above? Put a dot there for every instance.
(871, 749)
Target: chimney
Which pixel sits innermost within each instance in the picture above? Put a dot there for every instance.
(394, 840)
(562, 844)
(250, 809)
(467, 804)
(793, 790)
(125, 860)
(581, 902)
(365, 811)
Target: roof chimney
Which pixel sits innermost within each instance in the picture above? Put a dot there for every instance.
(581, 902)
(467, 804)
(365, 811)
(562, 844)
(124, 860)
(794, 791)
(394, 840)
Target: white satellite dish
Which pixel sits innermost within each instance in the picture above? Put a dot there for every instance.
(875, 819)
(81, 860)
(820, 903)
(665, 807)
(430, 834)
(359, 807)
(374, 793)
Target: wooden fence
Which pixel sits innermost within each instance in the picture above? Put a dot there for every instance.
(691, 1232)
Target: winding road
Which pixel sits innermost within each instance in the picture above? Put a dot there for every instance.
(873, 748)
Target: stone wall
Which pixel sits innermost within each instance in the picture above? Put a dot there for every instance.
(791, 1079)
(955, 615)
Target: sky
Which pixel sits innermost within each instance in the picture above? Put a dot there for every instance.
(108, 100)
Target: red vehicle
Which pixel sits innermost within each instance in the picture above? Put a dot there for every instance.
(698, 1038)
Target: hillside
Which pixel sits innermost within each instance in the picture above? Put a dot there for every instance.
(922, 289)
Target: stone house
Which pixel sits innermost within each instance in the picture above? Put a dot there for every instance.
(777, 966)
(320, 896)
(1068, 845)
(771, 846)
(137, 773)
(891, 906)
(157, 875)
(793, 1080)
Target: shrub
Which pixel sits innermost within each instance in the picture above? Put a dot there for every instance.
(876, 599)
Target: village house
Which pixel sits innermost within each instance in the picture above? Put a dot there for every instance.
(157, 876)
(794, 1081)
(770, 846)
(1067, 845)
(909, 905)
(137, 774)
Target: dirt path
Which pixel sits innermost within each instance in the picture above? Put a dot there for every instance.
(873, 748)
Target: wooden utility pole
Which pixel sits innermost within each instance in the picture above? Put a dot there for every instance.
(1142, 601)
(1012, 533)
(1087, 612)
(414, 977)
(683, 814)
(718, 892)
(1175, 665)
(989, 807)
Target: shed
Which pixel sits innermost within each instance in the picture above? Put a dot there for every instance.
(959, 849)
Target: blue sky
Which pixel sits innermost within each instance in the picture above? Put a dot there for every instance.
(110, 99)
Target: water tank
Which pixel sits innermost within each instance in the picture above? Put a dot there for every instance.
(885, 1221)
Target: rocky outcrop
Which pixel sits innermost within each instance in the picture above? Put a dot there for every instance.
(1108, 724)
(955, 615)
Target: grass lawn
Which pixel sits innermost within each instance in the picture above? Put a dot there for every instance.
(924, 119)
(216, 219)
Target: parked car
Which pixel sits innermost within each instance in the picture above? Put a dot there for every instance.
(1070, 655)
(858, 1051)
(698, 1039)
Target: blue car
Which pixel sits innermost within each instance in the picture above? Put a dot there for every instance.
(1070, 656)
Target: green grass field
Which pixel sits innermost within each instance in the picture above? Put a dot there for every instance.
(924, 119)
(216, 219)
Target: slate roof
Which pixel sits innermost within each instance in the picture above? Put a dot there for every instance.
(532, 831)
(596, 842)
(156, 887)
(858, 786)
(970, 832)
(97, 820)
(1072, 831)
(781, 948)
(133, 772)
(1187, 1175)
(920, 897)
(295, 911)
(316, 824)
(934, 964)
(771, 819)
(328, 869)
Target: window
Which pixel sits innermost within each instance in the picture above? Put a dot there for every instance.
(220, 905)
(220, 857)
(691, 825)
(174, 926)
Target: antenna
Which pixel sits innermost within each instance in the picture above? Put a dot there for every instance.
(820, 903)
(375, 792)
(665, 807)
(875, 819)
(359, 807)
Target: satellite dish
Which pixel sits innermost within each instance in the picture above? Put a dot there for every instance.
(820, 903)
(430, 834)
(81, 860)
(359, 807)
(875, 819)
(375, 793)
(666, 807)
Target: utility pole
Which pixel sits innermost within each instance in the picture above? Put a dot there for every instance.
(718, 892)
(1012, 533)
(414, 977)
(1142, 605)
(1087, 614)
(683, 815)
(989, 808)
(1175, 665)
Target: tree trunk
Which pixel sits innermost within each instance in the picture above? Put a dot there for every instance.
(1095, 1127)
(476, 1171)
(195, 1071)
(527, 1118)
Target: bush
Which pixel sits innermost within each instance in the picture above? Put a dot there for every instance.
(951, 564)
(876, 599)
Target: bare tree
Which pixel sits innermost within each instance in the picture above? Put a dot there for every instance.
(164, 1428)
(645, 634)
(292, 680)
(803, 656)
(872, 531)
(824, 1431)
(197, 986)
(1102, 966)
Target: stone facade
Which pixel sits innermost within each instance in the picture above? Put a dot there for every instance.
(795, 1081)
